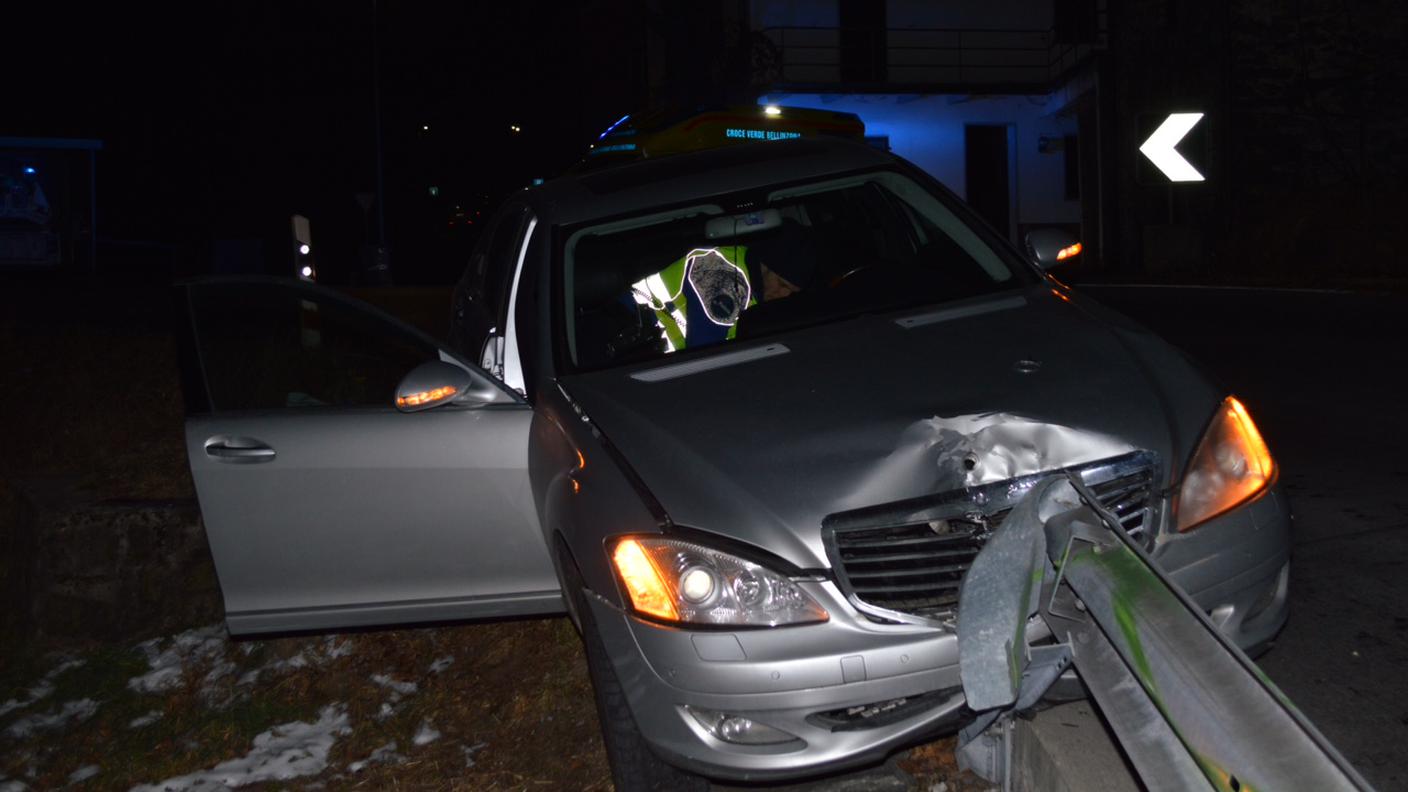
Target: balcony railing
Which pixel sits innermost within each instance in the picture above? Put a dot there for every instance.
(796, 56)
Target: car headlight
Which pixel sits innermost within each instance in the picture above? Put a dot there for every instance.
(1231, 465)
(680, 581)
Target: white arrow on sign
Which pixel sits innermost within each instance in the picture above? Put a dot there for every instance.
(1161, 147)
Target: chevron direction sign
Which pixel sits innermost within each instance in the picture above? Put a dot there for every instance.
(1161, 147)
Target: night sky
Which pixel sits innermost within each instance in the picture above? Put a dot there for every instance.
(220, 120)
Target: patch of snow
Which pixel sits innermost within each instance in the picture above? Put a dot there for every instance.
(12, 786)
(42, 689)
(220, 668)
(384, 754)
(404, 688)
(213, 691)
(67, 665)
(83, 774)
(35, 693)
(441, 664)
(426, 734)
(397, 688)
(169, 665)
(469, 751)
(284, 752)
(299, 660)
(333, 649)
(76, 711)
(145, 720)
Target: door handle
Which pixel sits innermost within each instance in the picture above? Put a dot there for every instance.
(238, 450)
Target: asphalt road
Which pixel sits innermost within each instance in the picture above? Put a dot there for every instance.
(1323, 375)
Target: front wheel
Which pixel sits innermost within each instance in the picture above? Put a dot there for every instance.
(634, 767)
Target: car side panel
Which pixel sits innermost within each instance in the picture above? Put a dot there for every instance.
(373, 517)
(581, 490)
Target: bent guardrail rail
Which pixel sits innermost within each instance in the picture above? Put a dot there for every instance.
(1189, 708)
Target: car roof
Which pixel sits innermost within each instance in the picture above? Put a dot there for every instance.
(639, 186)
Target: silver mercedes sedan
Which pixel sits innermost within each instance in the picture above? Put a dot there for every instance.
(746, 415)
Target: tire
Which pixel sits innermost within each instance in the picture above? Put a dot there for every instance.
(634, 767)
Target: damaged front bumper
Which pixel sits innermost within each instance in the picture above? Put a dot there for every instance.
(859, 686)
(1236, 567)
(849, 690)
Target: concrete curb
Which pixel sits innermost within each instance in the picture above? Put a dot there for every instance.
(1068, 749)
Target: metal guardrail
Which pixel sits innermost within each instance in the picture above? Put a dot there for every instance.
(1189, 708)
(919, 56)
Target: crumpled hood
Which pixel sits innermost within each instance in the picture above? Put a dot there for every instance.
(870, 411)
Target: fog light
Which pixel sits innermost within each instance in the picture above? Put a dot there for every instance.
(737, 729)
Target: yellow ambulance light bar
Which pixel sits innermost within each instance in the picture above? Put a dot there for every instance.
(659, 134)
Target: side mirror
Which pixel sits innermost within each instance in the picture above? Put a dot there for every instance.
(432, 384)
(1051, 246)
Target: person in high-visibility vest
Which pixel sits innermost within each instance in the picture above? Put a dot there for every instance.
(697, 300)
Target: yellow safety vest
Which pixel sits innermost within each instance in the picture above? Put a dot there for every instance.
(717, 278)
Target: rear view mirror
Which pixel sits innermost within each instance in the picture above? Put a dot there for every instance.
(1051, 246)
(431, 384)
(740, 224)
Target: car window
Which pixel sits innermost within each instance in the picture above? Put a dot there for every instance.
(268, 346)
(501, 258)
(480, 298)
(802, 255)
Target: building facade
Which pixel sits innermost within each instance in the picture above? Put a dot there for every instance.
(997, 101)
(1035, 112)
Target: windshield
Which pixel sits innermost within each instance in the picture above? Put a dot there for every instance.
(701, 277)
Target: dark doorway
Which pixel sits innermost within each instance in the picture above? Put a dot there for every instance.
(987, 184)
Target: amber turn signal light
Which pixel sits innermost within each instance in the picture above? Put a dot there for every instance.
(644, 583)
(1231, 466)
(426, 397)
(1069, 251)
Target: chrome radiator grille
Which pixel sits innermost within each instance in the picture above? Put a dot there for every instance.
(905, 561)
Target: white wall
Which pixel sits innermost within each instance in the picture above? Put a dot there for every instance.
(928, 131)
